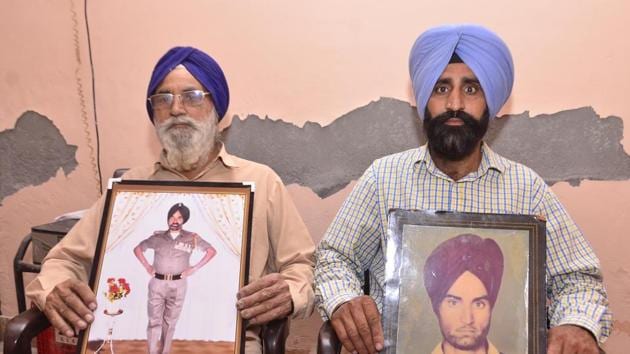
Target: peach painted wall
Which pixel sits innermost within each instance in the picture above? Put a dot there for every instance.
(298, 61)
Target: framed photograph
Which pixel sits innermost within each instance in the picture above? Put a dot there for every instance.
(169, 261)
(464, 281)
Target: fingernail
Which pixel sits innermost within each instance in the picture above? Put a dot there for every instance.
(92, 306)
(89, 318)
(239, 304)
(81, 324)
(69, 333)
(379, 346)
(244, 314)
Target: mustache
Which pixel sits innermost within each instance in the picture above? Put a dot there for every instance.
(440, 119)
(466, 329)
(170, 122)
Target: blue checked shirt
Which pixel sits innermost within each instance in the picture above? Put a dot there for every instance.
(355, 241)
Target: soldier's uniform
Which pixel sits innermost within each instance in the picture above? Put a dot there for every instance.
(167, 288)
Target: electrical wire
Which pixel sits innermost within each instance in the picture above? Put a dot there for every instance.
(98, 139)
(94, 152)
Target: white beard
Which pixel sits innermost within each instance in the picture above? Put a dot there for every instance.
(188, 147)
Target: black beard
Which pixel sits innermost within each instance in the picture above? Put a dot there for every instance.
(478, 342)
(454, 143)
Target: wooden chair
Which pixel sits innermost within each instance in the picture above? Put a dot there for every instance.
(23, 328)
(327, 341)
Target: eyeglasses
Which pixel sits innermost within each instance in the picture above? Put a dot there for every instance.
(193, 98)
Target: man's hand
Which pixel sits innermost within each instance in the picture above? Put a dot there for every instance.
(570, 339)
(188, 272)
(358, 325)
(69, 307)
(149, 269)
(264, 300)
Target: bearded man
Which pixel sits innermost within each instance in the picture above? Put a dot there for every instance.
(462, 75)
(186, 97)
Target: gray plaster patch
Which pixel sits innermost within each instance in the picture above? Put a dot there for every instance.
(31, 153)
(569, 146)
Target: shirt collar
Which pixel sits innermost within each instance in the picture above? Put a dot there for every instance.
(489, 160)
(491, 349)
(227, 159)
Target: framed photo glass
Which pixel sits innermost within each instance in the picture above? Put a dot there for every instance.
(169, 261)
(464, 281)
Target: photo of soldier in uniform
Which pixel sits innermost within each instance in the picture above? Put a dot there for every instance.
(171, 266)
(181, 252)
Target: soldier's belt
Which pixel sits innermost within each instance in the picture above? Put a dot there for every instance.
(168, 276)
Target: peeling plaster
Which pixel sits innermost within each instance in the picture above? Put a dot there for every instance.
(571, 145)
(31, 153)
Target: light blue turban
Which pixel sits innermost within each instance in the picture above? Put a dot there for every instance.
(482, 50)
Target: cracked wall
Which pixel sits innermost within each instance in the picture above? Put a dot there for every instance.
(572, 145)
(32, 153)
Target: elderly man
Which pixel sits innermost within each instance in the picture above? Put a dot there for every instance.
(186, 97)
(462, 277)
(172, 250)
(461, 75)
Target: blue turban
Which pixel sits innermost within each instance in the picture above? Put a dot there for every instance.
(205, 69)
(483, 51)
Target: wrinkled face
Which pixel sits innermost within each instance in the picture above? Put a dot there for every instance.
(456, 116)
(465, 313)
(188, 132)
(175, 221)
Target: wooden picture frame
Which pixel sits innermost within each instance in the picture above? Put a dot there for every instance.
(195, 241)
(464, 280)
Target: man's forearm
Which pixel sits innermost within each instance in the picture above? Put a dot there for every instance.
(210, 253)
(137, 251)
(299, 277)
(335, 282)
(71, 258)
(580, 299)
(53, 272)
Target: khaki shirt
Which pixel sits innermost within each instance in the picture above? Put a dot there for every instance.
(172, 256)
(280, 241)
